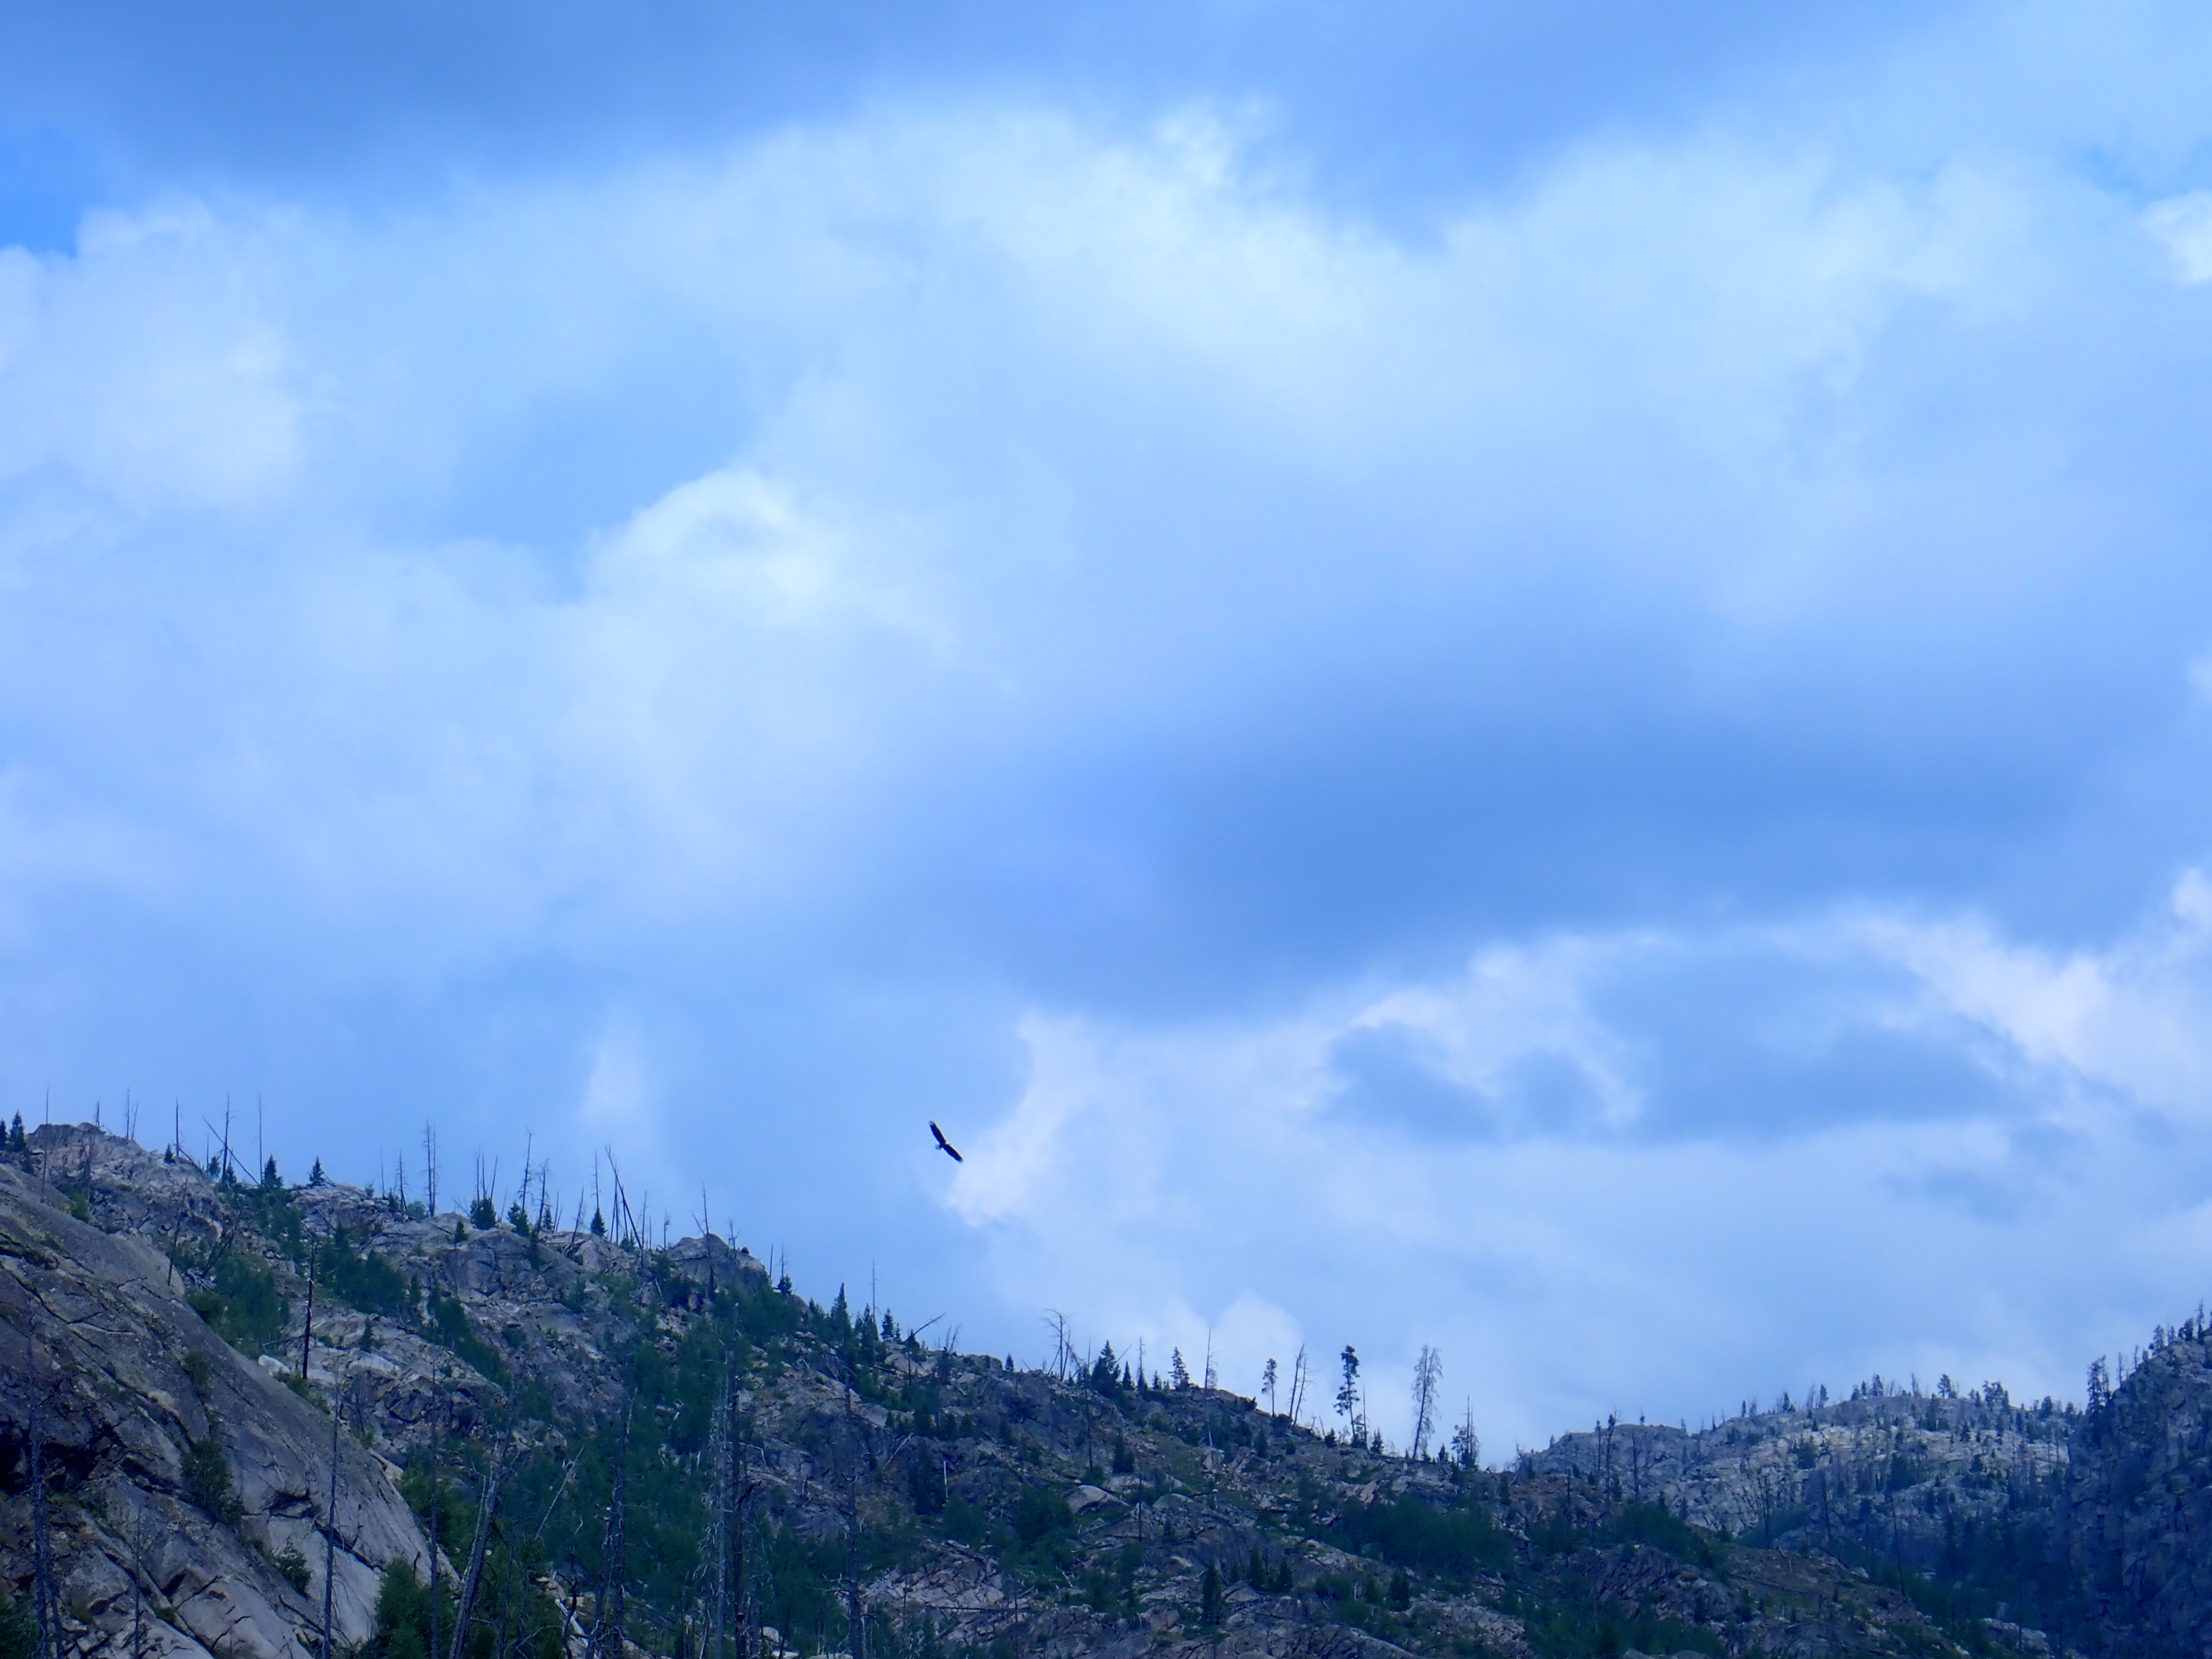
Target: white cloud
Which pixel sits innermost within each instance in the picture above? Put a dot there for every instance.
(2129, 1018)
(153, 366)
(1199, 1171)
(2181, 225)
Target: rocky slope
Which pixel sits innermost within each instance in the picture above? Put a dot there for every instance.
(662, 1444)
(131, 1380)
(2138, 1512)
(1885, 1475)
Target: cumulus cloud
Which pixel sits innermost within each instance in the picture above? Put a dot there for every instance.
(1595, 1260)
(149, 366)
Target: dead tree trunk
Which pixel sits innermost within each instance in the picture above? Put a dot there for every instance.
(307, 1325)
(46, 1604)
(858, 1642)
(331, 1533)
(607, 1627)
(484, 1513)
(720, 1528)
(434, 1527)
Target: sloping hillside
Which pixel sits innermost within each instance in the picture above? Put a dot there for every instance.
(661, 1451)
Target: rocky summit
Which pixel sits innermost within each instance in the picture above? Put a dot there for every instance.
(253, 1419)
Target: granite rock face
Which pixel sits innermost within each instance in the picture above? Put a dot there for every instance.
(128, 1376)
(1893, 1475)
(2139, 1509)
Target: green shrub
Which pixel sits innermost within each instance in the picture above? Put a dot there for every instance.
(963, 1520)
(925, 1482)
(243, 1307)
(1409, 1533)
(207, 1478)
(364, 1280)
(1653, 1524)
(1040, 1514)
(403, 1615)
(449, 1324)
(294, 1566)
(19, 1631)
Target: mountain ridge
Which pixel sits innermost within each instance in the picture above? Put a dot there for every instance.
(624, 1451)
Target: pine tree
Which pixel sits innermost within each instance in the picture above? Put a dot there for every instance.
(1347, 1396)
(1210, 1599)
(1466, 1446)
(1179, 1372)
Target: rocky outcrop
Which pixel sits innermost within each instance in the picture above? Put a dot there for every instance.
(129, 1380)
(1894, 1476)
(2139, 1512)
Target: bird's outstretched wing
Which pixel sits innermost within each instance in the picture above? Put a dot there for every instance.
(945, 1145)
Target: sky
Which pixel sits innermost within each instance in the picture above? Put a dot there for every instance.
(1531, 678)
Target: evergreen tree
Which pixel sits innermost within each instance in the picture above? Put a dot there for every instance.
(1178, 1372)
(270, 1179)
(1210, 1599)
(1347, 1396)
(316, 1178)
(1466, 1446)
(599, 1230)
(208, 1479)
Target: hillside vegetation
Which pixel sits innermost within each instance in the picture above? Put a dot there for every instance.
(620, 1449)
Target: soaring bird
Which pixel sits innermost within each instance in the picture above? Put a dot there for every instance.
(946, 1146)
